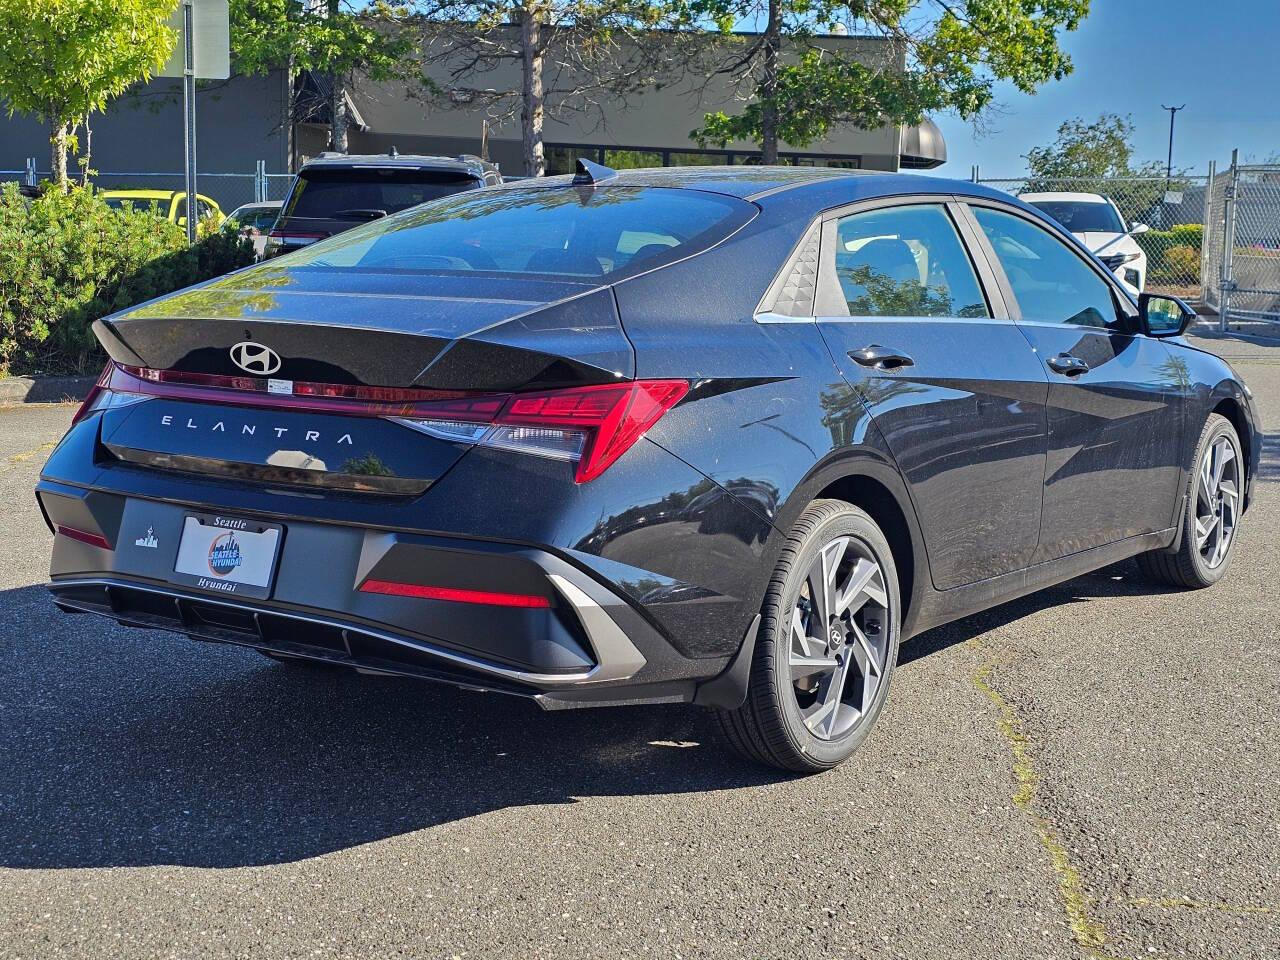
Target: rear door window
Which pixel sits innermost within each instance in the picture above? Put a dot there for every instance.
(554, 231)
(905, 261)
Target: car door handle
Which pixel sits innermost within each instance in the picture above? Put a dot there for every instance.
(1067, 365)
(884, 358)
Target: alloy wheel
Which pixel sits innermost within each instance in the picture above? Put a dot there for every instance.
(1217, 500)
(839, 638)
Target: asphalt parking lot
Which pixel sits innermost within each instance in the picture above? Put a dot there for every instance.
(1092, 771)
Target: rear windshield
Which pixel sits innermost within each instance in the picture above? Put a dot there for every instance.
(1082, 216)
(564, 231)
(367, 193)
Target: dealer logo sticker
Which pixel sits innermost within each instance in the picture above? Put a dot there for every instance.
(148, 541)
(224, 554)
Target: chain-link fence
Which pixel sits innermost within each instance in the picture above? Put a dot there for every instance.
(228, 190)
(1242, 266)
(1166, 257)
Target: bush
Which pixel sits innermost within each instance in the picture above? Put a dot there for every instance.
(66, 260)
(1173, 255)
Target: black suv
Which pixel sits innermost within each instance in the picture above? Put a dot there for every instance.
(337, 191)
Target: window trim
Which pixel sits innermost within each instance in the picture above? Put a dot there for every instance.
(1125, 308)
(829, 294)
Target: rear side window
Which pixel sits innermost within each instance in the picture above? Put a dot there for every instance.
(1051, 283)
(366, 193)
(558, 231)
(906, 262)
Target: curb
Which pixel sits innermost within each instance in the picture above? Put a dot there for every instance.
(44, 389)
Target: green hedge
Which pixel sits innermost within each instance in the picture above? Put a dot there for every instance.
(66, 260)
(1173, 255)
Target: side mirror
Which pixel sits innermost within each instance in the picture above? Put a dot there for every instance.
(181, 221)
(1137, 228)
(1164, 315)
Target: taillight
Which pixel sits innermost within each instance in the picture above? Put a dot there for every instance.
(592, 425)
(609, 419)
(95, 392)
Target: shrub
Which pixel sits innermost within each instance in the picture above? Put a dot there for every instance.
(66, 260)
(1173, 255)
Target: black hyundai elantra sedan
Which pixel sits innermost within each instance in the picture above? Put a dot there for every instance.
(715, 435)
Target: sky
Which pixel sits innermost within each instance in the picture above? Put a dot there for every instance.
(1219, 57)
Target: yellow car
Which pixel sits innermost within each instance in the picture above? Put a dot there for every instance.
(171, 204)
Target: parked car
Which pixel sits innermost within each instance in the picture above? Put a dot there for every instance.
(491, 441)
(169, 204)
(255, 220)
(1096, 222)
(339, 191)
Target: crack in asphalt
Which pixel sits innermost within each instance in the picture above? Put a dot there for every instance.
(1089, 932)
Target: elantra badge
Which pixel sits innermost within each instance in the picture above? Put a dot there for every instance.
(255, 358)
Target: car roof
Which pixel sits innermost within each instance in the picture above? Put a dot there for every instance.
(1063, 195)
(406, 161)
(261, 205)
(803, 191)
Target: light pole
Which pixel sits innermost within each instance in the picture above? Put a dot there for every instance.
(1168, 170)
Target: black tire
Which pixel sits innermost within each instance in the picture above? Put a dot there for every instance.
(1183, 565)
(769, 728)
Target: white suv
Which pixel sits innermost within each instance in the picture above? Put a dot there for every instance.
(1096, 222)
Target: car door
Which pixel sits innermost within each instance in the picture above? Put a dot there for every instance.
(953, 387)
(1115, 395)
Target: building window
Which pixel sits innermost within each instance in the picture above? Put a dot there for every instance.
(560, 158)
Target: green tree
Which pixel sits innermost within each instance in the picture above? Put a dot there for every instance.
(571, 55)
(1090, 157)
(340, 39)
(1089, 150)
(799, 83)
(62, 60)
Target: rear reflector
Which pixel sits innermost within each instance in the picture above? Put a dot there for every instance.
(393, 589)
(92, 539)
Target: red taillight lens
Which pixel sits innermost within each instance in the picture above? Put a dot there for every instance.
(393, 588)
(592, 425)
(609, 419)
(94, 392)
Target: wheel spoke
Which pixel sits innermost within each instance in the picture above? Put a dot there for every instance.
(800, 639)
(873, 663)
(804, 666)
(865, 584)
(1204, 490)
(1204, 529)
(832, 554)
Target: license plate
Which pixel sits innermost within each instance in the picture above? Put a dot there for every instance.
(227, 555)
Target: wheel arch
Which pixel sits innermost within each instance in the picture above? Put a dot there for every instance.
(1230, 407)
(870, 481)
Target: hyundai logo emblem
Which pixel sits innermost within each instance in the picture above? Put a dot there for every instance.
(255, 358)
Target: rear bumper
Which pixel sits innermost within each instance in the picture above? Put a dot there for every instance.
(586, 645)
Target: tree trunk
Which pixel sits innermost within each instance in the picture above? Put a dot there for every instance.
(535, 164)
(769, 85)
(290, 118)
(338, 115)
(338, 101)
(58, 158)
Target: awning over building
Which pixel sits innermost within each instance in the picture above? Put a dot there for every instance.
(922, 147)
